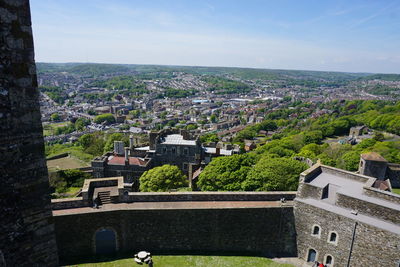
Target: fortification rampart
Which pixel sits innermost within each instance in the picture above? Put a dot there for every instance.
(170, 228)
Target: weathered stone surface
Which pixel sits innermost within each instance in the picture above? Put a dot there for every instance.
(26, 229)
(372, 246)
(262, 231)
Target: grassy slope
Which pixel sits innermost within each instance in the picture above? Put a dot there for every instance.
(65, 163)
(197, 261)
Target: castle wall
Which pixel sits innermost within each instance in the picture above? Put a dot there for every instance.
(384, 212)
(372, 246)
(26, 228)
(375, 169)
(263, 231)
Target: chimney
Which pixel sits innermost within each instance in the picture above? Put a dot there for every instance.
(190, 176)
(126, 155)
(153, 137)
(118, 148)
(131, 143)
(185, 134)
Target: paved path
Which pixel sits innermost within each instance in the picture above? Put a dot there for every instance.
(294, 261)
(175, 205)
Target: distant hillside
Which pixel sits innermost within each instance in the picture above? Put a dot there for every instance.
(385, 77)
(86, 69)
(153, 71)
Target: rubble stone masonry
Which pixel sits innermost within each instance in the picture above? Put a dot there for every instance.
(26, 227)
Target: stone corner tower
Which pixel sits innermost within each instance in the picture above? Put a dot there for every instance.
(26, 227)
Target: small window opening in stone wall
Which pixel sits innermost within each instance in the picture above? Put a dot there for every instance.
(328, 260)
(332, 238)
(173, 150)
(316, 230)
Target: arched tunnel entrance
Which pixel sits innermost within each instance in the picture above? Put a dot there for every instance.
(105, 241)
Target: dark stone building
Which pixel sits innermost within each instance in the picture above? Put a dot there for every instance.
(26, 223)
(166, 147)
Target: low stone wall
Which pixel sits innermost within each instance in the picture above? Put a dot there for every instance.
(68, 203)
(345, 174)
(369, 208)
(373, 192)
(208, 196)
(258, 231)
(310, 191)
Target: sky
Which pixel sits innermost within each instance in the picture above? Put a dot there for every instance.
(341, 35)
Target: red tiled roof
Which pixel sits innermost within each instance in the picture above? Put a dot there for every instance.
(118, 160)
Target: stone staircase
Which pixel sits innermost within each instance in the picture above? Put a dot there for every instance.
(104, 197)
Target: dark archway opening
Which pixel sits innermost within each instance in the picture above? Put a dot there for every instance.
(106, 242)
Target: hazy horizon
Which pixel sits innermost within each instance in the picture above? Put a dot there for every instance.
(360, 36)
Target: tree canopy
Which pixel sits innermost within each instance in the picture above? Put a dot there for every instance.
(162, 178)
(108, 118)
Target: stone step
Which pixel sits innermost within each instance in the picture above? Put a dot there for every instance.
(104, 197)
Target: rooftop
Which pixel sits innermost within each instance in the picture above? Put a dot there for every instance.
(119, 160)
(213, 150)
(373, 156)
(339, 182)
(177, 139)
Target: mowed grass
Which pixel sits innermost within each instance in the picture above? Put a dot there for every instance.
(194, 261)
(65, 164)
(396, 190)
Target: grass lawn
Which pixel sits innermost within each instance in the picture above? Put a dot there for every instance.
(396, 190)
(195, 261)
(49, 129)
(65, 163)
(74, 151)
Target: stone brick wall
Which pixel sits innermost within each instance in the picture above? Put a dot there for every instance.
(26, 228)
(309, 191)
(69, 203)
(371, 247)
(209, 196)
(262, 231)
(364, 207)
(373, 192)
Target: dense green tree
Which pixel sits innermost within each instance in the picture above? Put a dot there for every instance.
(213, 118)
(109, 144)
(226, 173)
(274, 174)
(191, 126)
(209, 137)
(55, 117)
(163, 178)
(108, 118)
(349, 161)
(92, 143)
(378, 136)
(80, 123)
